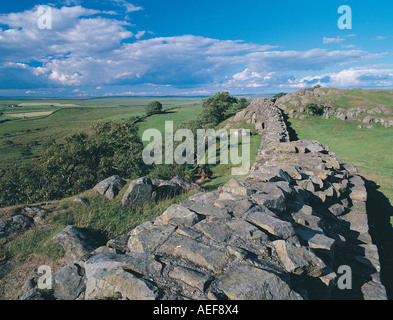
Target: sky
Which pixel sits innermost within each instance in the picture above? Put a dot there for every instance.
(90, 48)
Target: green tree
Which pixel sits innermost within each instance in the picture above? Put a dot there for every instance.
(119, 148)
(215, 108)
(154, 107)
(242, 104)
(113, 147)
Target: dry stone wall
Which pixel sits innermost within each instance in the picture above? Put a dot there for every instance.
(282, 233)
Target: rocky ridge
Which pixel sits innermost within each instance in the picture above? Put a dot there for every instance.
(281, 233)
(369, 115)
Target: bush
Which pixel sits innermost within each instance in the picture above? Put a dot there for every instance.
(154, 107)
(314, 109)
(279, 95)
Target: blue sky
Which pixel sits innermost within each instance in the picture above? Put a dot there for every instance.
(178, 47)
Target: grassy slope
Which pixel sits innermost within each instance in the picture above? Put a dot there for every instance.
(108, 217)
(358, 98)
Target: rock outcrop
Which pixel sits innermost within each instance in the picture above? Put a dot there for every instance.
(295, 105)
(281, 233)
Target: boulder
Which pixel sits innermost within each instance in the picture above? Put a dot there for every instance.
(274, 200)
(337, 209)
(178, 215)
(186, 186)
(119, 243)
(138, 193)
(37, 213)
(373, 291)
(140, 263)
(211, 211)
(368, 119)
(110, 187)
(237, 187)
(165, 189)
(76, 242)
(217, 231)
(69, 283)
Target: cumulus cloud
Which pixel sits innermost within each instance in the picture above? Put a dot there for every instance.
(347, 78)
(74, 30)
(367, 77)
(87, 48)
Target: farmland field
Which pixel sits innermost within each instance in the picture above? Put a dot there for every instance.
(38, 123)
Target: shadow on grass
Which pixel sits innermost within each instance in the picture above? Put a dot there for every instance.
(380, 212)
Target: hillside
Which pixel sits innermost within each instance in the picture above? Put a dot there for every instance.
(106, 219)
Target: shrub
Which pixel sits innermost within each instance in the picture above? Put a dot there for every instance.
(279, 95)
(154, 107)
(314, 109)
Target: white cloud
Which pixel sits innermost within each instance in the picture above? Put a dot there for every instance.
(367, 77)
(326, 40)
(74, 30)
(140, 34)
(87, 49)
(131, 8)
(128, 6)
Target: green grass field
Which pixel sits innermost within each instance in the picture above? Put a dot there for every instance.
(350, 98)
(77, 115)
